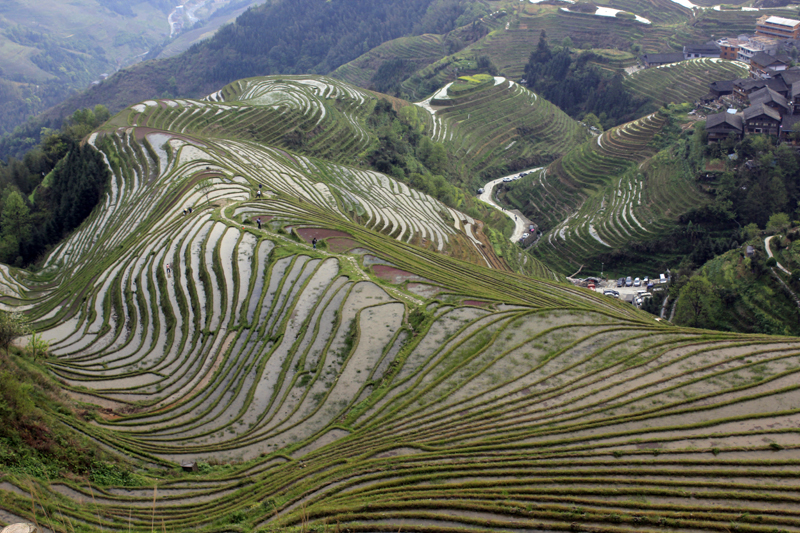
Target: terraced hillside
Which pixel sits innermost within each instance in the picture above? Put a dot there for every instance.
(499, 128)
(604, 194)
(549, 197)
(686, 81)
(373, 382)
(319, 116)
(326, 118)
(415, 52)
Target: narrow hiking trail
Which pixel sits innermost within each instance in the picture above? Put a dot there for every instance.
(521, 222)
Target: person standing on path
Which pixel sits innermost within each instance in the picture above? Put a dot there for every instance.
(168, 269)
(258, 221)
(314, 243)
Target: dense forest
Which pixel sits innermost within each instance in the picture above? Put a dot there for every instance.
(51, 190)
(573, 81)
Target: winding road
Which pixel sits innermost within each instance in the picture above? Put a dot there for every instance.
(521, 224)
(769, 253)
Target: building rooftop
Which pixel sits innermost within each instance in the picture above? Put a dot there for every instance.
(701, 48)
(780, 21)
(663, 58)
(719, 119)
(790, 123)
(761, 109)
(767, 95)
(765, 60)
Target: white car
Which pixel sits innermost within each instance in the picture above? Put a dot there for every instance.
(506, 180)
(637, 282)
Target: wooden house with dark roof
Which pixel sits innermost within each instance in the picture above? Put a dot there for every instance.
(789, 125)
(772, 99)
(794, 97)
(763, 65)
(721, 125)
(761, 118)
(720, 88)
(743, 87)
(656, 60)
(789, 76)
(693, 51)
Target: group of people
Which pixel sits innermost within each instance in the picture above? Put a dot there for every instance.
(185, 210)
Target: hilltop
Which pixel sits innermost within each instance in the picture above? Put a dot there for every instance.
(339, 348)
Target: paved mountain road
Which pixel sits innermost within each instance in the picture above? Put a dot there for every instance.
(521, 223)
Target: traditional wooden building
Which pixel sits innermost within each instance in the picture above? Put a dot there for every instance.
(722, 125)
(763, 65)
(656, 60)
(772, 99)
(762, 119)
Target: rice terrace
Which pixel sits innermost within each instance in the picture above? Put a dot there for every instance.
(256, 331)
(392, 375)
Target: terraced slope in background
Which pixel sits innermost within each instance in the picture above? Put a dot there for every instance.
(500, 128)
(604, 194)
(686, 81)
(376, 383)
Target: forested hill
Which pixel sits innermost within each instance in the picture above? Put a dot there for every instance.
(284, 37)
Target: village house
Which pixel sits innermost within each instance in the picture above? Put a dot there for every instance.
(750, 46)
(729, 48)
(720, 88)
(721, 125)
(694, 51)
(742, 88)
(763, 65)
(772, 99)
(656, 60)
(761, 118)
(778, 27)
(774, 107)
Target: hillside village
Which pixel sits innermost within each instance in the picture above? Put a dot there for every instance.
(768, 101)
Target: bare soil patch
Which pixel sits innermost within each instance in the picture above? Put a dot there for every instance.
(340, 245)
(395, 275)
(309, 234)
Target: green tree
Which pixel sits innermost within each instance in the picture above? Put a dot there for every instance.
(37, 346)
(698, 304)
(751, 231)
(15, 216)
(778, 223)
(590, 119)
(12, 326)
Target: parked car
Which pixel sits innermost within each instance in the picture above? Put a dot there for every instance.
(637, 282)
(629, 281)
(621, 282)
(506, 180)
(662, 279)
(480, 191)
(645, 281)
(611, 292)
(525, 236)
